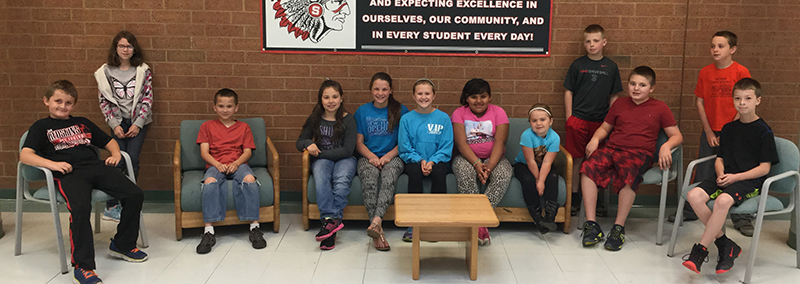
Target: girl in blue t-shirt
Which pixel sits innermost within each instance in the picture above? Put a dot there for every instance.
(379, 165)
(329, 136)
(425, 142)
(535, 170)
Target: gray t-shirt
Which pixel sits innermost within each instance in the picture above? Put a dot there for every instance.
(123, 83)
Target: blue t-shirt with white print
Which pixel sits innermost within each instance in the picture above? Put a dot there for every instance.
(426, 137)
(373, 123)
(540, 145)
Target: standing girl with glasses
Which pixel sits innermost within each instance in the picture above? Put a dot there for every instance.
(126, 99)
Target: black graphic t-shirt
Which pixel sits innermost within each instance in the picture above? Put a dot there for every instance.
(592, 83)
(67, 140)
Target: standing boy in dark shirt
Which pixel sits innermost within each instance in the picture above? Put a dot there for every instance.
(64, 144)
(592, 84)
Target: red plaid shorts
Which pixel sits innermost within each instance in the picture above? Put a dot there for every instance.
(622, 166)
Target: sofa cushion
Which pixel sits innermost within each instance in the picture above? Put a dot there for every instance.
(191, 196)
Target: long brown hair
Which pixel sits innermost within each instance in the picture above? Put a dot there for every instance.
(316, 115)
(138, 55)
(394, 106)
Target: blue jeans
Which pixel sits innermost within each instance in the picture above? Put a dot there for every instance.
(333, 181)
(215, 195)
(131, 145)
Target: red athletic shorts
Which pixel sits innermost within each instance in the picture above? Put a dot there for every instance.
(623, 166)
(578, 134)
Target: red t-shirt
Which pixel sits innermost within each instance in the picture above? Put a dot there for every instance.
(715, 87)
(637, 126)
(225, 144)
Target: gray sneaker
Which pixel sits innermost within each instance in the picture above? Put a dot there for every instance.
(112, 213)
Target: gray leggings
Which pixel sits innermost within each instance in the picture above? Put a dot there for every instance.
(377, 185)
(468, 180)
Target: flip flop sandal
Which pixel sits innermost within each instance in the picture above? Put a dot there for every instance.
(372, 233)
(380, 243)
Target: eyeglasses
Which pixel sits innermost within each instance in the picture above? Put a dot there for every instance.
(120, 46)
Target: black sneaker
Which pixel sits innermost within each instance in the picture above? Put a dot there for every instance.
(257, 238)
(329, 243)
(743, 223)
(577, 199)
(616, 238)
(688, 215)
(728, 252)
(592, 233)
(695, 259)
(206, 243)
(548, 222)
(329, 227)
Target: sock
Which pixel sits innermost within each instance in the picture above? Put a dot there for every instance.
(209, 229)
(254, 226)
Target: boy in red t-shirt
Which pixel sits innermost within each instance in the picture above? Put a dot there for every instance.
(226, 144)
(715, 107)
(628, 153)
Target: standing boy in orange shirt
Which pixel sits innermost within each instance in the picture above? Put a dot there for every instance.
(715, 106)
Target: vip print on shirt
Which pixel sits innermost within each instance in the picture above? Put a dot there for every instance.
(435, 129)
(478, 131)
(69, 137)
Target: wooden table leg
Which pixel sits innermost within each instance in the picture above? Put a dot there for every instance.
(415, 254)
(472, 253)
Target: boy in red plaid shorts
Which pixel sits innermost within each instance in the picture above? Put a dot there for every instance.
(628, 153)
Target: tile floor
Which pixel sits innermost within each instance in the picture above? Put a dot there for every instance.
(517, 255)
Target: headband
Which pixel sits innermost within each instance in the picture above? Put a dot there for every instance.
(539, 108)
(426, 80)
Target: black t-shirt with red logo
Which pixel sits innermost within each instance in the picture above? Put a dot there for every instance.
(592, 83)
(66, 140)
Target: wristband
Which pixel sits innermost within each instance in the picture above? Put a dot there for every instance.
(476, 162)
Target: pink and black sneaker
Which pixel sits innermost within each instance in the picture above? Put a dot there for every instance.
(329, 227)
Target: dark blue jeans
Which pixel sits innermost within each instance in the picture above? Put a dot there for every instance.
(133, 146)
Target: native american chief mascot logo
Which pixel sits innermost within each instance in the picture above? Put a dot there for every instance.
(311, 19)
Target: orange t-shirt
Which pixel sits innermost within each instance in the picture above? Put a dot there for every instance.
(715, 87)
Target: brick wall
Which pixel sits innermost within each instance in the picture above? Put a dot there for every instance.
(196, 47)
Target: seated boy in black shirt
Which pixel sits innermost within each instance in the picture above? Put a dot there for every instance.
(745, 154)
(63, 144)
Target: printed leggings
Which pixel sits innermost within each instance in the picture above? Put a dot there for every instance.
(497, 184)
(378, 185)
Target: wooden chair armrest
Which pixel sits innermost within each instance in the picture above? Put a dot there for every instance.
(304, 188)
(274, 169)
(567, 160)
(305, 174)
(176, 174)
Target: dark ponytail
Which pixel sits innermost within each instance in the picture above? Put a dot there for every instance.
(394, 106)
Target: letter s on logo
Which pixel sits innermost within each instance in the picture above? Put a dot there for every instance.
(315, 10)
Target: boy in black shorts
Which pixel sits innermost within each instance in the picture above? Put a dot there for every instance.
(64, 144)
(745, 154)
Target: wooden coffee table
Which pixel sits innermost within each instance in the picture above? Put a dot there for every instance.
(445, 217)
